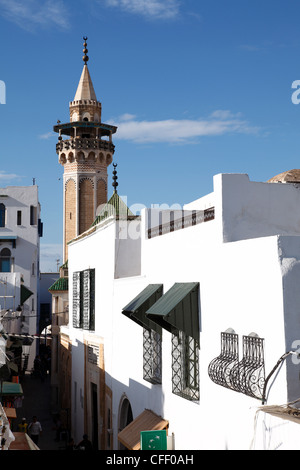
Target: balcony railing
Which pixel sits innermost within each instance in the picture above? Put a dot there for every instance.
(178, 222)
(84, 144)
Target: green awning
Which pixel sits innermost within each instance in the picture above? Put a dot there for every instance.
(25, 294)
(136, 309)
(11, 388)
(178, 309)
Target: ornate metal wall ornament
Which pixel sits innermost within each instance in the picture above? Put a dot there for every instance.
(246, 376)
(252, 367)
(220, 368)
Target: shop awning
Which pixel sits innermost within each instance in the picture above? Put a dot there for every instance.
(10, 412)
(146, 421)
(285, 412)
(136, 309)
(178, 309)
(10, 389)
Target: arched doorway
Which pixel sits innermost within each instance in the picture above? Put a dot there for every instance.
(125, 416)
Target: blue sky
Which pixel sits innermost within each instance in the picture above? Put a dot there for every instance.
(196, 88)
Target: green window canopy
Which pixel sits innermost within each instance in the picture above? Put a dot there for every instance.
(178, 309)
(25, 294)
(136, 309)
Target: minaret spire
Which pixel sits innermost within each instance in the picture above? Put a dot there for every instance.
(85, 149)
(85, 58)
(115, 184)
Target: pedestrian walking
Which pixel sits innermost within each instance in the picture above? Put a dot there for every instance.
(39, 368)
(23, 425)
(35, 429)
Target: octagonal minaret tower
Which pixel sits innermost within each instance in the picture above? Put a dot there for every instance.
(85, 149)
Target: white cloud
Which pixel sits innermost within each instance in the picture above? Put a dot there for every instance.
(47, 135)
(8, 176)
(219, 122)
(158, 9)
(31, 13)
(127, 117)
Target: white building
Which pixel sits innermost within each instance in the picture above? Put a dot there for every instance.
(20, 232)
(222, 293)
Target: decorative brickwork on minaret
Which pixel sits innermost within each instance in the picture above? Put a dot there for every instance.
(70, 211)
(85, 150)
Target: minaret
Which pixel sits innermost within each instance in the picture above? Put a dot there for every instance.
(85, 149)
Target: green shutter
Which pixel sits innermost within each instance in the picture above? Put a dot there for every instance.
(136, 309)
(178, 309)
(76, 300)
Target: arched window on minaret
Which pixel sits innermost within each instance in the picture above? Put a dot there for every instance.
(2, 215)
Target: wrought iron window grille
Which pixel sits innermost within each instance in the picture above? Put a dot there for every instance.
(246, 376)
(185, 366)
(152, 356)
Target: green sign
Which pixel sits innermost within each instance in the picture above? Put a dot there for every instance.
(154, 440)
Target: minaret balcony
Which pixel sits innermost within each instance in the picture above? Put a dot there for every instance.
(84, 144)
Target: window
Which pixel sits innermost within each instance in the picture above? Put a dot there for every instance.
(33, 215)
(5, 260)
(40, 228)
(19, 217)
(2, 215)
(152, 360)
(185, 366)
(84, 299)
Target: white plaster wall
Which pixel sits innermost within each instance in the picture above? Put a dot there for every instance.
(94, 251)
(240, 287)
(289, 258)
(249, 285)
(128, 248)
(205, 202)
(254, 209)
(111, 258)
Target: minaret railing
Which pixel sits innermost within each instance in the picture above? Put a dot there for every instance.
(84, 144)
